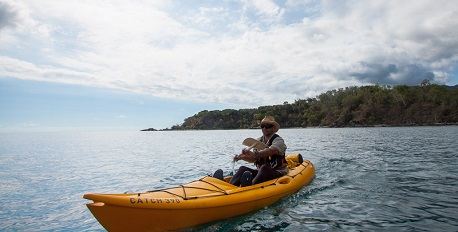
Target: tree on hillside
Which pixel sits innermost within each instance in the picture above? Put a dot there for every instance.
(352, 106)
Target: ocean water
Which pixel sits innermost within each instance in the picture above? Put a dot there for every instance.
(390, 179)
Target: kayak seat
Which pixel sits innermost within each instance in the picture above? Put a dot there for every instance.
(294, 160)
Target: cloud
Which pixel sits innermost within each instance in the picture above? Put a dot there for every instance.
(246, 53)
(267, 7)
(410, 74)
(29, 124)
(10, 67)
(8, 16)
(18, 29)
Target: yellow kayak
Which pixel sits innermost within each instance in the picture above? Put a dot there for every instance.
(198, 202)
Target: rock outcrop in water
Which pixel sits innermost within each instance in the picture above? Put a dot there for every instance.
(428, 104)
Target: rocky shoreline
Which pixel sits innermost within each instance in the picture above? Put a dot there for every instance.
(349, 126)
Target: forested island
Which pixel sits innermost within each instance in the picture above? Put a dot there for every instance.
(376, 105)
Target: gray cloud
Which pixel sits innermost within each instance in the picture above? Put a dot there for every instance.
(8, 16)
(410, 74)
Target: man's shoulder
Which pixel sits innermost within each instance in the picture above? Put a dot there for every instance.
(278, 137)
(279, 140)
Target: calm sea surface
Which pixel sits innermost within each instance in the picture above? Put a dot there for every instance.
(367, 178)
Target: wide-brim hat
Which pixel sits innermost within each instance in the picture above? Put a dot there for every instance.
(271, 120)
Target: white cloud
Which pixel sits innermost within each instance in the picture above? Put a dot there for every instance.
(29, 124)
(10, 67)
(299, 3)
(225, 54)
(267, 7)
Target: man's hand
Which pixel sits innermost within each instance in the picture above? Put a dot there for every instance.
(246, 155)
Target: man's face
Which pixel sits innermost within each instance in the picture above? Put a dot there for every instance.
(267, 129)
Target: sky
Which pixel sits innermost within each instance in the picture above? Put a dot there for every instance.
(139, 64)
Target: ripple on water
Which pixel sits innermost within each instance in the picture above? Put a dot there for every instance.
(366, 178)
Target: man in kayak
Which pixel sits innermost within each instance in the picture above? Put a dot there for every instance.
(270, 162)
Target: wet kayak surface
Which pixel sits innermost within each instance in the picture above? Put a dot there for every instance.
(388, 178)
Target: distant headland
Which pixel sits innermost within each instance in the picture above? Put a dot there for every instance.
(364, 106)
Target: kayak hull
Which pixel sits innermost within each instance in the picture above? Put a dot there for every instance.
(118, 218)
(164, 210)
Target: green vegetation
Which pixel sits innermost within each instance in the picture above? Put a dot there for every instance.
(427, 104)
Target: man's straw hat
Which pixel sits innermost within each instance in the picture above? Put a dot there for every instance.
(271, 120)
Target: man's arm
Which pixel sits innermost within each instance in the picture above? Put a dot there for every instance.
(278, 147)
(266, 152)
(252, 157)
